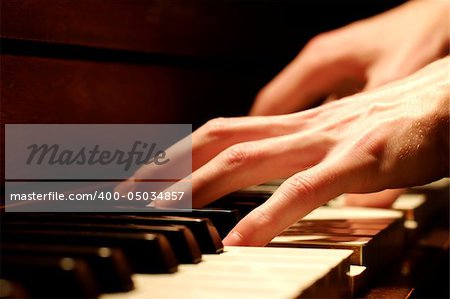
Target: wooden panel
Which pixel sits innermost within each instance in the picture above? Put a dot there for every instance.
(263, 28)
(46, 90)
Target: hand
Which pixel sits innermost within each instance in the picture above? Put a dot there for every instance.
(395, 136)
(364, 54)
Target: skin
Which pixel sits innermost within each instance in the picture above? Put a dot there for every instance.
(363, 55)
(385, 137)
(360, 56)
(390, 137)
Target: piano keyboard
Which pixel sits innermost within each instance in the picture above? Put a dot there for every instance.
(364, 231)
(333, 252)
(250, 272)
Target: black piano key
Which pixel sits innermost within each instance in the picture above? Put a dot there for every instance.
(223, 219)
(180, 238)
(51, 277)
(109, 265)
(244, 203)
(203, 230)
(147, 253)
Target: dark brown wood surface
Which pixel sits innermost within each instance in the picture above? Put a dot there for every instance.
(251, 28)
(47, 90)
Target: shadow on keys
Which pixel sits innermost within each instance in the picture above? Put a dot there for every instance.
(335, 251)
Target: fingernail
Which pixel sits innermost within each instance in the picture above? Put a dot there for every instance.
(125, 187)
(232, 239)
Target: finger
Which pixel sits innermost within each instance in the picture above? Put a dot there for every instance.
(252, 163)
(383, 199)
(294, 199)
(215, 136)
(221, 133)
(178, 165)
(210, 139)
(313, 74)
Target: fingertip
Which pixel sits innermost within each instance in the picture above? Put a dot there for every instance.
(250, 231)
(234, 238)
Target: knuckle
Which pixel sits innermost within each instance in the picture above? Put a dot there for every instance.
(216, 127)
(332, 47)
(369, 143)
(371, 147)
(240, 155)
(320, 43)
(299, 186)
(261, 218)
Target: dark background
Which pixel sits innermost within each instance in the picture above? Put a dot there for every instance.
(143, 61)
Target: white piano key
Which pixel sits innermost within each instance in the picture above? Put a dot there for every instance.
(364, 247)
(303, 239)
(343, 213)
(407, 202)
(242, 272)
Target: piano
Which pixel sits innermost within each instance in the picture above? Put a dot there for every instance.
(335, 251)
(163, 61)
